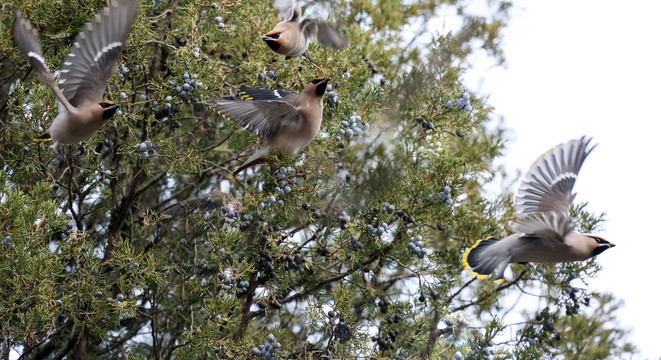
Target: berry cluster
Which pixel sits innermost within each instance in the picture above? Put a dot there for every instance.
(229, 281)
(219, 22)
(265, 268)
(371, 66)
(546, 319)
(146, 149)
(123, 70)
(187, 91)
(574, 304)
(230, 213)
(271, 201)
(383, 305)
(343, 331)
(355, 244)
(387, 343)
(387, 208)
(268, 349)
(416, 246)
(315, 213)
(353, 126)
(166, 111)
(294, 262)
(425, 124)
(242, 287)
(378, 230)
(284, 187)
(443, 196)
(8, 241)
(463, 102)
(331, 96)
(104, 177)
(281, 173)
(344, 219)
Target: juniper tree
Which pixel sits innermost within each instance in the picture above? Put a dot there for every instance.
(136, 244)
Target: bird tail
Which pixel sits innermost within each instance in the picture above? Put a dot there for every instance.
(45, 137)
(482, 260)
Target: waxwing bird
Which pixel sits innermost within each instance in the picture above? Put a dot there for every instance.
(85, 73)
(291, 37)
(543, 231)
(286, 120)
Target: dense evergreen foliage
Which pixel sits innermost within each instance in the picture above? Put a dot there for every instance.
(137, 245)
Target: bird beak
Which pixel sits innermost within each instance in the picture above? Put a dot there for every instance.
(110, 111)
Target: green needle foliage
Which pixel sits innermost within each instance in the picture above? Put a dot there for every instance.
(136, 244)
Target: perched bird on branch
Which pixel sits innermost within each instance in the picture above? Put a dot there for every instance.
(544, 231)
(85, 73)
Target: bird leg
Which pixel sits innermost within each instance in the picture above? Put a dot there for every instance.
(306, 55)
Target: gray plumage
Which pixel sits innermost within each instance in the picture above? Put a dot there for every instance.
(287, 121)
(291, 37)
(85, 73)
(544, 231)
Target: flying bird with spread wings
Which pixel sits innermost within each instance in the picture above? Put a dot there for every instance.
(85, 73)
(292, 36)
(543, 231)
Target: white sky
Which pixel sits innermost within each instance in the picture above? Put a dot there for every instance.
(593, 68)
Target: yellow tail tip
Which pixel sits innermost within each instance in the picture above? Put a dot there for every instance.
(45, 139)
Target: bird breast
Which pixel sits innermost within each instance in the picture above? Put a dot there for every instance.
(292, 138)
(292, 41)
(74, 127)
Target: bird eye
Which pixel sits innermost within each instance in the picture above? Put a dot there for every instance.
(105, 105)
(275, 36)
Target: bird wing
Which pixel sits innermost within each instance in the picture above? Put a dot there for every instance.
(550, 225)
(93, 59)
(325, 33)
(289, 10)
(262, 94)
(263, 117)
(25, 36)
(547, 187)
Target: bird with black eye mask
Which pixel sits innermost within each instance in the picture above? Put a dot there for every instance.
(286, 120)
(292, 36)
(85, 73)
(544, 231)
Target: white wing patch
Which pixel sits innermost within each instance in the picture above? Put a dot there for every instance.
(563, 176)
(34, 55)
(107, 48)
(277, 94)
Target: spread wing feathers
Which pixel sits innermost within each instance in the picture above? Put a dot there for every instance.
(547, 187)
(26, 38)
(325, 33)
(550, 225)
(262, 94)
(93, 58)
(263, 117)
(289, 10)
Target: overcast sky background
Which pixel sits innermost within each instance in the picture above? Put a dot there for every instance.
(593, 68)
